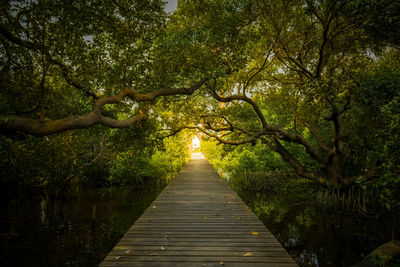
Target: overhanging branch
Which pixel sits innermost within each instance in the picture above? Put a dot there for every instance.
(244, 98)
(13, 123)
(275, 145)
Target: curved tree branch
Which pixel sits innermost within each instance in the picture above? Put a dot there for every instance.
(220, 138)
(31, 126)
(314, 131)
(267, 129)
(298, 139)
(258, 70)
(244, 98)
(275, 145)
(35, 127)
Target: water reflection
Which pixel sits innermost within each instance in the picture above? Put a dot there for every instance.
(77, 230)
(314, 234)
(81, 228)
(43, 208)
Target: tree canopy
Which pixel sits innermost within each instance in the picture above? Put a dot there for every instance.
(315, 81)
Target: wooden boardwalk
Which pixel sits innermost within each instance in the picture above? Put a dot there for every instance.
(198, 221)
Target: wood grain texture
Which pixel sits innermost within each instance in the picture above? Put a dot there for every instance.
(198, 220)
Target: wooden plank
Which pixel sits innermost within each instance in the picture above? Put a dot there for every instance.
(128, 249)
(198, 221)
(221, 243)
(194, 234)
(197, 253)
(180, 258)
(192, 264)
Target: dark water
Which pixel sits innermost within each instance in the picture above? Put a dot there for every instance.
(317, 235)
(78, 230)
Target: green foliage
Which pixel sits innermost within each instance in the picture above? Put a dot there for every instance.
(130, 167)
(140, 164)
(379, 108)
(106, 47)
(94, 157)
(50, 164)
(389, 183)
(380, 19)
(68, 53)
(300, 62)
(247, 167)
(214, 152)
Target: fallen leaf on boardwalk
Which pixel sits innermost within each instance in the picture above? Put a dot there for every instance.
(233, 197)
(153, 254)
(255, 233)
(128, 251)
(118, 257)
(205, 218)
(169, 227)
(248, 254)
(222, 263)
(162, 248)
(188, 222)
(154, 206)
(238, 218)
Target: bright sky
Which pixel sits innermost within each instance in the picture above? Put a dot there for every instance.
(196, 142)
(170, 5)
